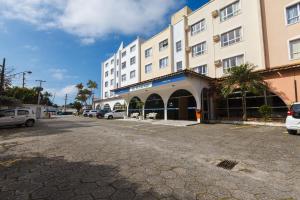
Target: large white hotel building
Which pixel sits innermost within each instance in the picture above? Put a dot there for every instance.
(172, 73)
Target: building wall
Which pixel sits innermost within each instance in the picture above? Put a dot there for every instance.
(278, 32)
(106, 67)
(179, 35)
(251, 45)
(157, 55)
(130, 67)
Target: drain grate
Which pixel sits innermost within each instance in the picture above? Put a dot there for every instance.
(227, 164)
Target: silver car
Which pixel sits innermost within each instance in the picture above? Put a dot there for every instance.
(17, 117)
(115, 114)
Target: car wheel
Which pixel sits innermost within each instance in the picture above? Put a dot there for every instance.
(292, 132)
(29, 123)
(110, 117)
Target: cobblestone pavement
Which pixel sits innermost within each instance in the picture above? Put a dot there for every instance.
(76, 158)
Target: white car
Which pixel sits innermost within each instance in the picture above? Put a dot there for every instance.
(92, 113)
(17, 117)
(85, 113)
(293, 119)
(115, 114)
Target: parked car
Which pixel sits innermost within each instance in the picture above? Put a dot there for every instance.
(115, 114)
(100, 114)
(293, 119)
(92, 113)
(17, 117)
(85, 113)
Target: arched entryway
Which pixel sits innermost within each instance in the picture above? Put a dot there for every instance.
(155, 104)
(231, 108)
(118, 106)
(135, 106)
(182, 106)
(107, 107)
(98, 107)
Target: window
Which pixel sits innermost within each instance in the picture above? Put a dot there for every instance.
(117, 61)
(111, 94)
(112, 71)
(295, 49)
(123, 65)
(106, 94)
(23, 112)
(178, 46)
(199, 49)
(293, 14)
(132, 74)
(179, 66)
(106, 83)
(112, 61)
(231, 37)
(106, 74)
(124, 54)
(148, 52)
(132, 49)
(230, 11)
(163, 45)
(123, 77)
(198, 27)
(202, 69)
(106, 65)
(132, 60)
(148, 68)
(112, 82)
(117, 74)
(163, 62)
(7, 113)
(228, 63)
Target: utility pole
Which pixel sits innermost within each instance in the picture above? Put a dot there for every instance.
(23, 82)
(40, 81)
(2, 76)
(66, 98)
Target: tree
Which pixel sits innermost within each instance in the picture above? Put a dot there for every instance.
(79, 86)
(9, 101)
(83, 95)
(244, 79)
(77, 105)
(92, 85)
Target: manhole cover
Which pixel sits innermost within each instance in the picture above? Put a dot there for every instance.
(227, 164)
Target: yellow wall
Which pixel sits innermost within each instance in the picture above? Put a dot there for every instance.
(185, 11)
(278, 33)
(156, 55)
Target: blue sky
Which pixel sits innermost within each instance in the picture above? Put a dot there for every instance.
(64, 41)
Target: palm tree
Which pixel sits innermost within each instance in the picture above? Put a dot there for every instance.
(244, 79)
(79, 86)
(92, 85)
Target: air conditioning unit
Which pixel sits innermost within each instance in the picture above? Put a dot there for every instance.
(218, 63)
(188, 49)
(187, 28)
(216, 38)
(215, 14)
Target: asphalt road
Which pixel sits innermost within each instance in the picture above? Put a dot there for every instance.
(77, 158)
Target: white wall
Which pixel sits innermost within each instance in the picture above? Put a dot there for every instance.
(179, 35)
(129, 67)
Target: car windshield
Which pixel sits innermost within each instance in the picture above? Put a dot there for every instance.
(296, 107)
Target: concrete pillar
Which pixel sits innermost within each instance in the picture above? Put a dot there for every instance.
(166, 111)
(143, 112)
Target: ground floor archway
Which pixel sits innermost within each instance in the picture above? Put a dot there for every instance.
(182, 106)
(118, 106)
(106, 107)
(155, 104)
(135, 106)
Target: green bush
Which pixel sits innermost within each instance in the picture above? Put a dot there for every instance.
(265, 112)
(9, 101)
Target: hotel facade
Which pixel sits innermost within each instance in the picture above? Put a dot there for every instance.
(176, 69)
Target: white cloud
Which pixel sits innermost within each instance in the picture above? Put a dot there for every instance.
(91, 19)
(60, 74)
(31, 47)
(70, 90)
(87, 41)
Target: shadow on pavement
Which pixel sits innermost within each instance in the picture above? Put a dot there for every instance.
(44, 127)
(55, 178)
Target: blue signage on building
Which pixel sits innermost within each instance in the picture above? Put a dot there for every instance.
(155, 83)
